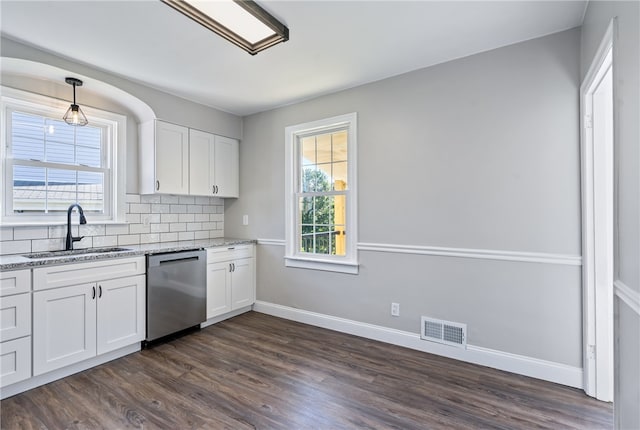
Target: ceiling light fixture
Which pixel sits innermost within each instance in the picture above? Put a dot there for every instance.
(74, 115)
(241, 22)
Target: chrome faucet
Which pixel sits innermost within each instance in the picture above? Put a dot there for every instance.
(83, 220)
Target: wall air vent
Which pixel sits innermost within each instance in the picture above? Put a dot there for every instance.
(445, 332)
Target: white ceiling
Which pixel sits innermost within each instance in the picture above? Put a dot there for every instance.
(333, 44)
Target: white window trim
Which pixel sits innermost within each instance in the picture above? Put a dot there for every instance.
(293, 258)
(15, 99)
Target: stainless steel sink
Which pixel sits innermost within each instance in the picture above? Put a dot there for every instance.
(50, 254)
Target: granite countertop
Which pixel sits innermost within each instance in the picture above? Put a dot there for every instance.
(19, 261)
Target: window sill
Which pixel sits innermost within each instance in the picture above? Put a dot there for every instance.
(324, 265)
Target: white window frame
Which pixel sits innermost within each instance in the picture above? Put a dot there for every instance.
(293, 257)
(114, 141)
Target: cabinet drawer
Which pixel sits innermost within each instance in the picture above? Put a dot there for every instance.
(15, 282)
(224, 253)
(15, 361)
(78, 273)
(15, 316)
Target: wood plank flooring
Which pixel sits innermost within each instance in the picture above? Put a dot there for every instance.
(259, 372)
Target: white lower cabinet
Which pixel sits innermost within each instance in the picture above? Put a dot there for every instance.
(230, 279)
(77, 322)
(15, 326)
(64, 327)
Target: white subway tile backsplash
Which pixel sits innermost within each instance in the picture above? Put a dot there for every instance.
(160, 208)
(105, 241)
(57, 231)
(159, 228)
(92, 230)
(187, 200)
(117, 230)
(186, 218)
(186, 235)
(42, 245)
(132, 198)
(168, 237)
(201, 235)
(165, 198)
(177, 226)
(139, 228)
(129, 239)
(133, 218)
(178, 209)
(209, 226)
(23, 233)
(15, 247)
(167, 218)
(150, 198)
(194, 226)
(150, 238)
(140, 208)
(6, 233)
(150, 219)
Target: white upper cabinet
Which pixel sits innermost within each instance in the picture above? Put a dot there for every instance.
(226, 167)
(201, 155)
(187, 161)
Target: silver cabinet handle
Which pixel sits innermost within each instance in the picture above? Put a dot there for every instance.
(94, 292)
(157, 185)
(230, 268)
(99, 291)
(213, 189)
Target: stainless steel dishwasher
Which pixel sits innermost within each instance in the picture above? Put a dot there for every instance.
(176, 292)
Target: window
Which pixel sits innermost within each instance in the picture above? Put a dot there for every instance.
(321, 195)
(49, 164)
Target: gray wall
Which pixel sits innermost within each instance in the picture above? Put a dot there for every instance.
(167, 107)
(626, 65)
(481, 152)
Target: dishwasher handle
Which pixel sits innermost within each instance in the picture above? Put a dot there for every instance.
(176, 258)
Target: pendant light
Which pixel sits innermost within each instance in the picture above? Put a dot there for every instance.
(74, 115)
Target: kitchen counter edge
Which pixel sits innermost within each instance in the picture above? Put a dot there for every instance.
(19, 261)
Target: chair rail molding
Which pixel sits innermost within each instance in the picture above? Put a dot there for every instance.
(627, 295)
(485, 254)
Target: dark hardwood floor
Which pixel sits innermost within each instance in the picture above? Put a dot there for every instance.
(257, 371)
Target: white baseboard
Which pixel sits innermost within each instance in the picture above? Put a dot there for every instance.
(226, 316)
(522, 365)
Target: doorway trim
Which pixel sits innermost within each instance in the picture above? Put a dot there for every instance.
(596, 341)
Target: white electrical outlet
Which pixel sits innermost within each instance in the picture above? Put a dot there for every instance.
(395, 309)
(245, 219)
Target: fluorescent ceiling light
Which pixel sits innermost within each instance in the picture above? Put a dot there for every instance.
(241, 22)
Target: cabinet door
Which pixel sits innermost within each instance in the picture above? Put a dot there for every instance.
(242, 283)
(121, 313)
(218, 289)
(172, 158)
(15, 361)
(201, 154)
(64, 327)
(226, 167)
(15, 316)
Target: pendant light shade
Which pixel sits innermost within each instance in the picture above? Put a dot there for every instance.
(74, 115)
